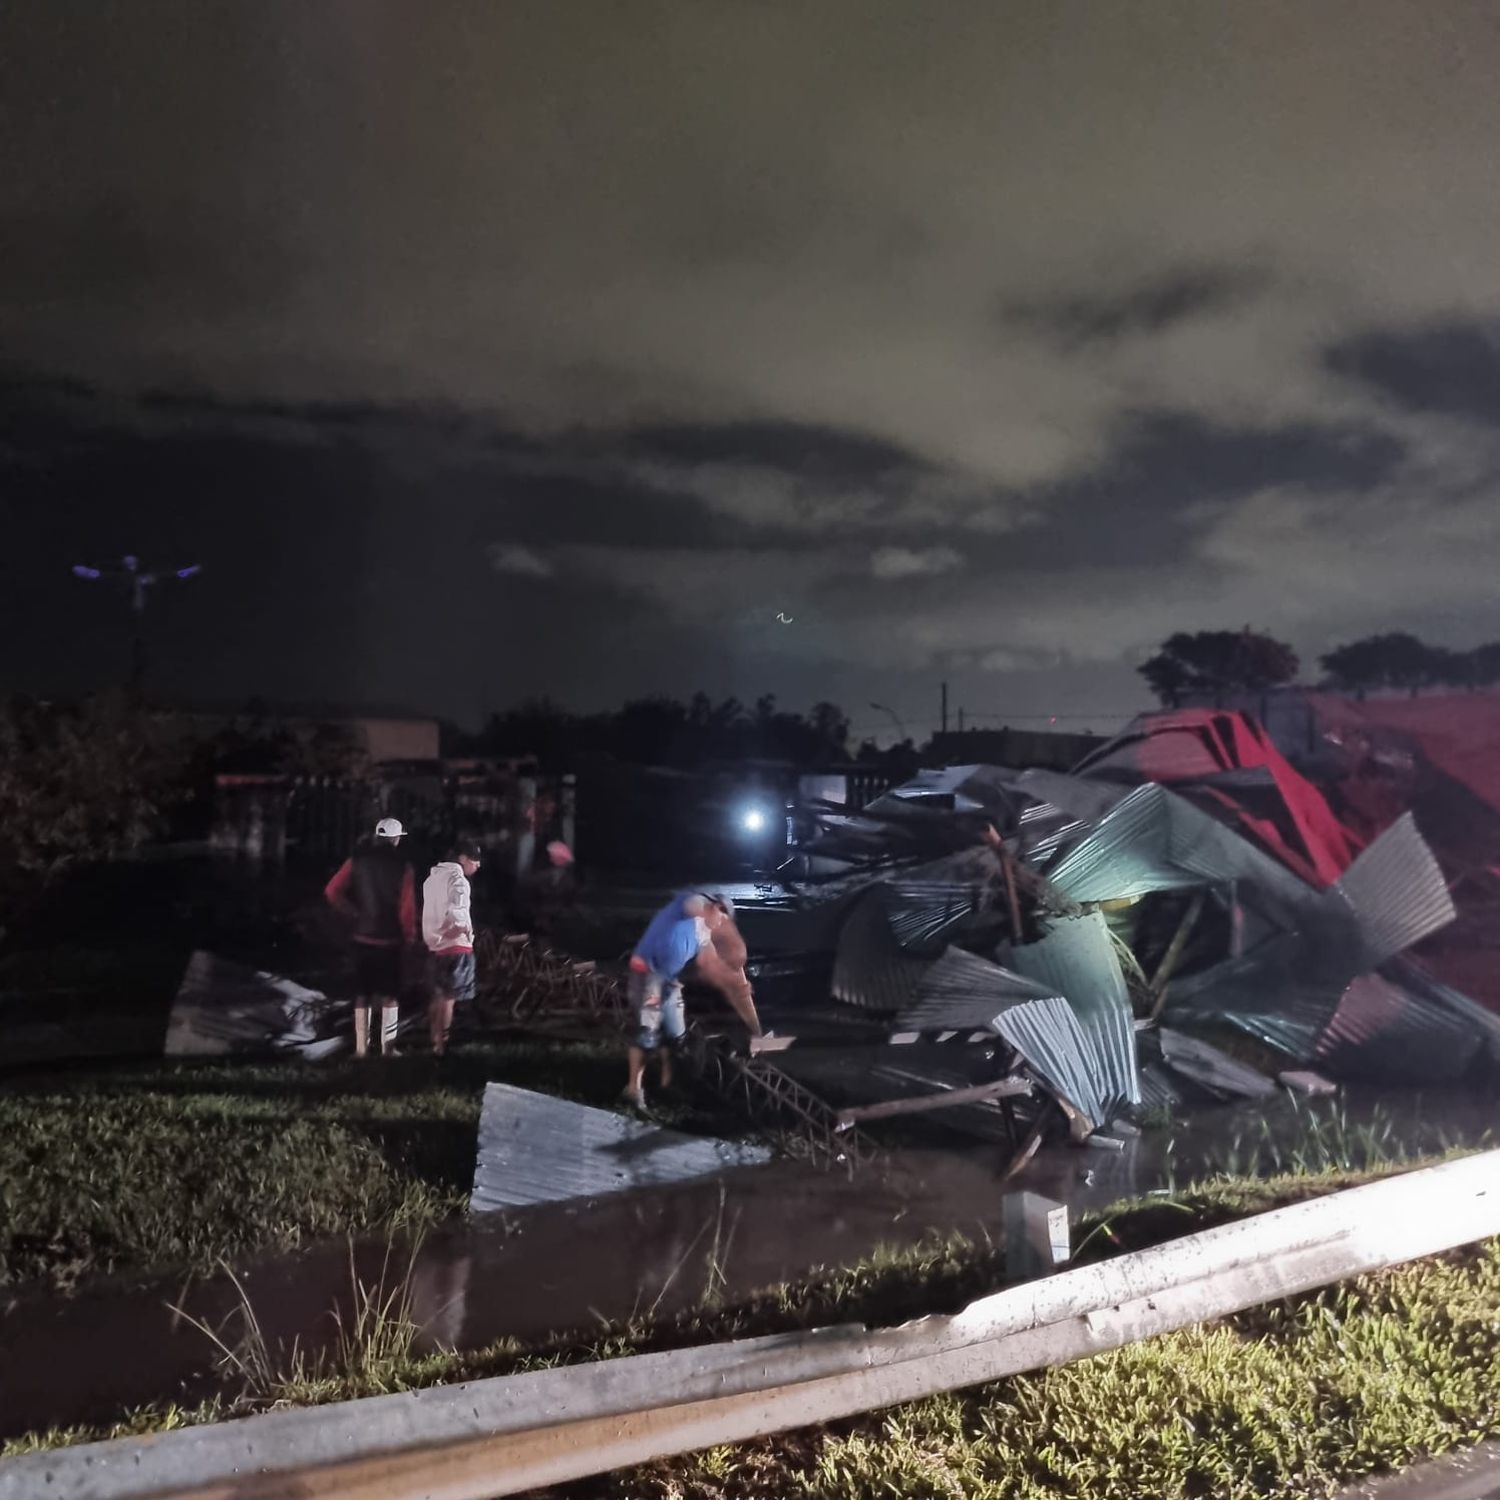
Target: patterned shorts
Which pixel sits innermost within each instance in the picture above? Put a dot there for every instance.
(657, 1002)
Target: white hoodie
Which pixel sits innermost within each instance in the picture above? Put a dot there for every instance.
(447, 926)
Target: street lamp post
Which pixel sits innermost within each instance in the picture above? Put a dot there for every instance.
(138, 583)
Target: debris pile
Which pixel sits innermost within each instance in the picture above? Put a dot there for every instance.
(1100, 939)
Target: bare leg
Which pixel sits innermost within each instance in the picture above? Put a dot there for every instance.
(439, 1022)
(390, 1016)
(637, 1071)
(361, 1028)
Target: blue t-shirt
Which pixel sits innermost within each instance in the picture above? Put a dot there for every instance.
(670, 942)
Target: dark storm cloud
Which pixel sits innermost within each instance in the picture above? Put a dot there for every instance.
(1149, 503)
(615, 332)
(1147, 307)
(1452, 369)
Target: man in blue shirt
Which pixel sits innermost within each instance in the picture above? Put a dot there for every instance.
(682, 931)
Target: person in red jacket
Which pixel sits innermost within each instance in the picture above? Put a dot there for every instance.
(376, 890)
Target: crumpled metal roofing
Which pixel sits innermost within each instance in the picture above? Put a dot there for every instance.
(1154, 840)
(963, 991)
(1211, 1068)
(223, 1008)
(972, 788)
(1077, 959)
(1402, 1023)
(1395, 893)
(923, 915)
(534, 1148)
(1268, 993)
(870, 968)
(1056, 1048)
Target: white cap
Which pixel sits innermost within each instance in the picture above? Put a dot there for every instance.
(389, 828)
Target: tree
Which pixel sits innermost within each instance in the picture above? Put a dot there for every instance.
(1484, 668)
(81, 783)
(1394, 659)
(831, 726)
(665, 732)
(1218, 661)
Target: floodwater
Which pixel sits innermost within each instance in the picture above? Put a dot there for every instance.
(524, 1273)
(568, 1267)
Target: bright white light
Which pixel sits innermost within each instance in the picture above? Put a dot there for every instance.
(753, 821)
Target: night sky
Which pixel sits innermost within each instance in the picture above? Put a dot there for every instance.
(485, 350)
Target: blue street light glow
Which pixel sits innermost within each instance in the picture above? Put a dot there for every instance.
(753, 820)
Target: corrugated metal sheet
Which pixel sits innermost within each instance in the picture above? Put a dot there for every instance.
(1267, 993)
(1211, 1068)
(1077, 959)
(923, 916)
(869, 968)
(963, 991)
(1048, 1035)
(1403, 1024)
(537, 1149)
(1396, 893)
(224, 1008)
(1073, 795)
(1154, 840)
(1125, 854)
(972, 788)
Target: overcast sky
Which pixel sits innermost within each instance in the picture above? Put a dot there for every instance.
(480, 350)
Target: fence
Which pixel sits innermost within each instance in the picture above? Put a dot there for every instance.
(280, 818)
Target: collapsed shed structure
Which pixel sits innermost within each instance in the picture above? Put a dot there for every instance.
(998, 941)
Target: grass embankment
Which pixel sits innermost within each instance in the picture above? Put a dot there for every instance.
(1368, 1375)
(181, 1165)
(1290, 1400)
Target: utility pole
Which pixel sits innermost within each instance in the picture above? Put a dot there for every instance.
(945, 708)
(960, 721)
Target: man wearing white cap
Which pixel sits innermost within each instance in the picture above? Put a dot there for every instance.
(376, 889)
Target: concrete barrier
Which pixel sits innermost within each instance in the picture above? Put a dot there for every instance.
(499, 1437)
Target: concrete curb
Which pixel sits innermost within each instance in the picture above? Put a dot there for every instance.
(502, 1436)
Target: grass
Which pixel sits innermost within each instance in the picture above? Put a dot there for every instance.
(189, 1163)
(374, 1354)
(1288, 1400)
(182, 1165)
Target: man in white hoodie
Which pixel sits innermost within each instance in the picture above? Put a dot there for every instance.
(448, 930)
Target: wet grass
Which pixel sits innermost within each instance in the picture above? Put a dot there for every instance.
(1285, 1400)
(374, 1353)
(182, 1165)
(1288, 1400)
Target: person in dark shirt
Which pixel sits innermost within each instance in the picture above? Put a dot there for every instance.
(376, 889)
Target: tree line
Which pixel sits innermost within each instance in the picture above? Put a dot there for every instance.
(1207, 662)
(665, 731)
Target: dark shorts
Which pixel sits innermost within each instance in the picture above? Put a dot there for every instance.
(452, 975)
(377, 971)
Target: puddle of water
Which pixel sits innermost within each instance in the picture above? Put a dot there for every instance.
(523, 1274)
(555, 1267)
